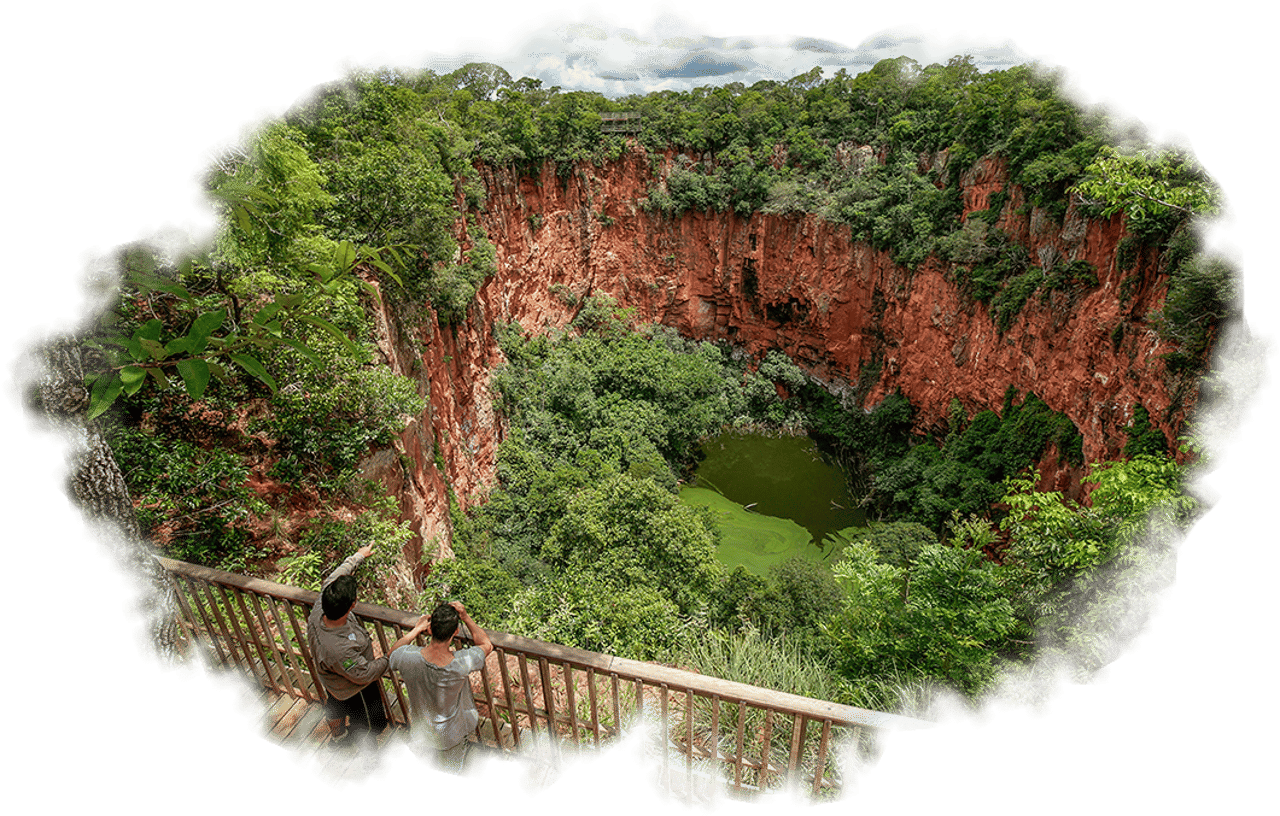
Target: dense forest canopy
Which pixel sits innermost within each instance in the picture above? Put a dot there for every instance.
(258, 353)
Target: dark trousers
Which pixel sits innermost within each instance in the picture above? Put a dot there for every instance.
(364, 708)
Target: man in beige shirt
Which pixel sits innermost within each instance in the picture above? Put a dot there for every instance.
(343, 655)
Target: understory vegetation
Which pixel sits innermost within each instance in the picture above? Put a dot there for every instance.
(241, 386)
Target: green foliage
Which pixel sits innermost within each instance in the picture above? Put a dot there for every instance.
(599, 423)
(305, 570)
(589, 613)
(1155, 190)
(451, 287)
(1008, 302)
(629, 533)
(986, 259)
(563, 293)
(277, 300)
(898, 543)
(1072, 277)
(781, 663)
(200, 337)
(194, 500)
(965, 474)
(482, 584)
(378, 526)
(774, 146)
(1083, 578)
(1144, 438)
(329, 417)
(942, 616)
(789, 604)
(270, 195)
(1201, 297)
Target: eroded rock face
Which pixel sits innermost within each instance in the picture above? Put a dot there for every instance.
(839, 308)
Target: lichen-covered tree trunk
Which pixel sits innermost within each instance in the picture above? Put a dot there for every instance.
(98, 486)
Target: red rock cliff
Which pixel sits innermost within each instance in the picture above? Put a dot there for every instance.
(841, 309)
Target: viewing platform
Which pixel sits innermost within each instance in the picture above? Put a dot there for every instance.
(751, 738)
(630, 122)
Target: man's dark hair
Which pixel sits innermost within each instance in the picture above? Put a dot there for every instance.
(338, 597)
(444, 622)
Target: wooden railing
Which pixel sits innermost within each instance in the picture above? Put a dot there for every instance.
(752, 738)
(629, 122)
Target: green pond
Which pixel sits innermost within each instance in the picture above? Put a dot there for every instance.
(773, 497)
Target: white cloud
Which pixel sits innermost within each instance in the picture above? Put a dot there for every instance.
(597, 53)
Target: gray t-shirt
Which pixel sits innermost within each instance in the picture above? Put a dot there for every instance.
(440, 699)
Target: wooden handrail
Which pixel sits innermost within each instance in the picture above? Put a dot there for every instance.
(255, 637)
(652, 673)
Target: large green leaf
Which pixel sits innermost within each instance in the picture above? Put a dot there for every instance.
(132, 378)
(141, 260)
(302, 349)
(333, 330)
(195, 375)
(344, 256)
(322, 271)
(159, 284)
(241, 215)
(205, 325)
(266, 313)
(251, 365)
(149, 330)
(388, 270)
(241, 199)
(153, 348)
(105, 390)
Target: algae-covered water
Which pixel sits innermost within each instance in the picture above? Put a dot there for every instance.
(773, 497)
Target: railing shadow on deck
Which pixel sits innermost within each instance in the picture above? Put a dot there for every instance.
(755, 739)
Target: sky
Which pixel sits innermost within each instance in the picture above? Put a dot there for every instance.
(595, 51)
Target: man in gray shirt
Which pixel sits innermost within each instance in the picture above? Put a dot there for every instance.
(438, 680)
(343, 655)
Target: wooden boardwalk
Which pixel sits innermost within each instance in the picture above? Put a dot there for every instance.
(529, 692)
(300, 725)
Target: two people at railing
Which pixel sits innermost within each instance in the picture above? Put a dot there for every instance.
(343, 653)
(440, 700)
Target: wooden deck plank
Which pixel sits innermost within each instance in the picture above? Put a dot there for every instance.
(319, 733)
(309, 730)
(344, 763)
(250, 701)
(289, 719)
(270, 706)
(272, 723)
(392, 742)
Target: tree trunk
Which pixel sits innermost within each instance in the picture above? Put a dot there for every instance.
(98, 486)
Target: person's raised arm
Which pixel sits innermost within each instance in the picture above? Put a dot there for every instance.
(348, 566)
(478, 635)
(424, 623)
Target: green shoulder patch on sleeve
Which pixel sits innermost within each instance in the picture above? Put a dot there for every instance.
(348, 663)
